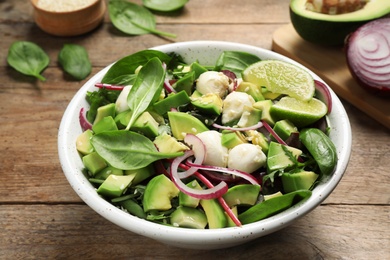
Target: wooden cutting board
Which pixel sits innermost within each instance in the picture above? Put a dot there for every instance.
(330, 64)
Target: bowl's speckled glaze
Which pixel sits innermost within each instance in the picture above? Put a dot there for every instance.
(206, 52)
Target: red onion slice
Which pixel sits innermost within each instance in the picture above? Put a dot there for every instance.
(84, 123)
(234, 172)
(211, 193)
(273, 133)
(168, 87)
(326, 97)
(368, 55)
(108, 86)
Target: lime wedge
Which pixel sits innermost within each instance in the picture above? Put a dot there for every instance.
(282, 78)
(300, 113)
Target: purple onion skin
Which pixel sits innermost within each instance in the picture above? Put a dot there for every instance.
(379, 90)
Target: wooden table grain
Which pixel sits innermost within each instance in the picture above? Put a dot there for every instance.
(41, 217)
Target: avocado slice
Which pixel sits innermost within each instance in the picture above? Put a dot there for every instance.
(210, 103)
(251, 89)
(215, 214)
(173, 100)
(183, 123)
(281, 156)
(259, 139)
(242, 194)
(250, 116)
(103, 111)
(265, 107)
(114, 186)
(299, 180)
(327, 29)
(284, 128)
(103, 174)
(188, 218)
(141, 174)
(94, 163)
(83, 142)
(158, 193)
(187, 200)
(166, 143)
(230, 139)
(146, 124)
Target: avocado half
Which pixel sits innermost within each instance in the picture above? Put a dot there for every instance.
(325, 29)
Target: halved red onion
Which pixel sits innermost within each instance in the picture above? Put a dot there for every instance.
(211, 193)
(273, 133)
(234, 172)
(326, 97)
(368, 55)
(231, 128)
(84, 123)
(108, 86)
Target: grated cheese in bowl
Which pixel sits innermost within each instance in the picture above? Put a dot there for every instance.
(63, 5)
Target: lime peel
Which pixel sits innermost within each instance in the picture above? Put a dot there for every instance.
(281, 77)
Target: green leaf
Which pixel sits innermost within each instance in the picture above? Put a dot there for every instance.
(133, 19)
(75, 61)
(146, 89)
(127, 150)
(235, 61)
(164, 5)
(123, 71)
(28, 58)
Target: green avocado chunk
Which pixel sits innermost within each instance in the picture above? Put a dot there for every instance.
(94, 162)
(242, 194)
(173, 100)
(298, 181)
(183, 123)
(215, 214)
(103, 111)
(332, 29)
(188, 218)
(281, 156)
(158, 193)
(251, 89)
(83, 142)
(114, 185)
(187, 200)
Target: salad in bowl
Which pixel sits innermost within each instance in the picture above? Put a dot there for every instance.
(206, 141)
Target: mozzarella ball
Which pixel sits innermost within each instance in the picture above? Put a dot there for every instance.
(246, 157)
(233, 105)
(216, 153)
(213, 82)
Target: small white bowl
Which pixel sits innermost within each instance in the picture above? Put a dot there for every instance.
(206, 52)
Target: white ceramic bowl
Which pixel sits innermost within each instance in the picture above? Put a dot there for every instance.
(206, 52)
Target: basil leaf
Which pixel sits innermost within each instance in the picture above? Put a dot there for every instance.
(146, 89)
(164, 5)
(235, 61)
(123, 71)
(133, 19)
(28, 58)
(127, 150)
(75, 61)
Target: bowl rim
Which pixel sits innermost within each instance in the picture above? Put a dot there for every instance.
(36, 6)
(213, 238)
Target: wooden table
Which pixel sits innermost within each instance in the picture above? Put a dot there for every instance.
(42, 217)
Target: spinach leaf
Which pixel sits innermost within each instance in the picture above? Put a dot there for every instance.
(133, 19)
(99, 98)
(127, 150)
(235, 61)
(122, 72)
(164, 5)
(28, 58)
(146, 89)
(75, 61)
